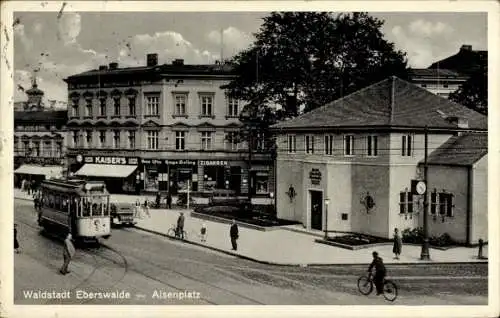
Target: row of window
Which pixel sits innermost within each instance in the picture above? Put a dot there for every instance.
(152, 139)
(95, 206)
(37, 127)
(348, 145)
(152, 106)
(441, 202)
(39, 149)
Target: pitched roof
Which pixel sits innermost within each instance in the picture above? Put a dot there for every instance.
(434, 73)
(465, 61)
(167, 69)
(392, 102)
(462, 150)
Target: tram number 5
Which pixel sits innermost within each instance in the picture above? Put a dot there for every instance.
(96, 223)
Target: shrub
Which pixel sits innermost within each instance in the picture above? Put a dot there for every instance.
(413, 236)
(443, 240)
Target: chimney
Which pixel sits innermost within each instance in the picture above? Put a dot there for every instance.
(466, 47)
(103, 67)
(178, 62)
(113, 66)
(152, 59)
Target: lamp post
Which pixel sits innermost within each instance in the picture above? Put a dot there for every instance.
(424, 255)
(327, 201)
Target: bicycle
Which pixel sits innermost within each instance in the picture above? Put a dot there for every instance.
(172, 232)
(365, 287)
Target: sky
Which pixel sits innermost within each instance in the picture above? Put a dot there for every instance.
(60, 46)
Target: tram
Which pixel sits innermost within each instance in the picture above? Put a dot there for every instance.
(75, 206)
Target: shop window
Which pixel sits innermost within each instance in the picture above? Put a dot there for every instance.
(309, 142)
(405, 202)
(261, 182)
(213, 177)
(292, 144)
(151, 179)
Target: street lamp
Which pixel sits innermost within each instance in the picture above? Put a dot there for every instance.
(327, 201)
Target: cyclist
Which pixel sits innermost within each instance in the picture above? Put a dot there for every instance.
(380, 272)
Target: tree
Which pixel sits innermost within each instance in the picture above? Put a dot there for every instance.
(312, 58)
(474, 92)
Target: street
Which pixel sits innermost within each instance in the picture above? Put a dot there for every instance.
(135, 267)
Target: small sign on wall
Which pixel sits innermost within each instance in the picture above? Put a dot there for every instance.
(315, 176)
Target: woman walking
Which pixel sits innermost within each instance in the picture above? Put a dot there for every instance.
(398, 244)
(16, 242)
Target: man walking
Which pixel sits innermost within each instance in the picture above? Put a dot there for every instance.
(180, 226)
(169, 200)
(380, 272)
(398, 244)
(233, 232)
(69, 252)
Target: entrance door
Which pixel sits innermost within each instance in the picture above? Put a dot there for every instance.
(316, 210)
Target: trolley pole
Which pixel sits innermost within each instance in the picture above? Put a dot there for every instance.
(425, 245)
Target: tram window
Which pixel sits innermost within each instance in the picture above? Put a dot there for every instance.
(64, 203)
(85, 207)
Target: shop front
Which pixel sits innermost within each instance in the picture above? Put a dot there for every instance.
(119, 173)
(153, 176)
(180, 173)
(220, 174)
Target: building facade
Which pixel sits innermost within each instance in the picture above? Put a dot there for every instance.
(160, 127)
(39, 139)
(361, 153)
(441, 82)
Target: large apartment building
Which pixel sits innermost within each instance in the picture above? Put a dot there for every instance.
(158, 127)
(39, 139)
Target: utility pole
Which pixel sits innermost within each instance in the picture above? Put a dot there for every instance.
(425, 245)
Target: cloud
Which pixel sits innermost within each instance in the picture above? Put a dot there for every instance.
(233, 40)
(168, 45)
(424, 42)
(37, 28)
(69, 27)
(427, 29)
(20, 35)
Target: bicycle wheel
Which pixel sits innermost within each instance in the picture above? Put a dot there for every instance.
(390, 290)
(365, 285)
(171, 232)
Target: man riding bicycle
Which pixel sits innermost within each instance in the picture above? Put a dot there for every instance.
(380, 272)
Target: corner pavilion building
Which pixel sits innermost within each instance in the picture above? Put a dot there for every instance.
(362, 151)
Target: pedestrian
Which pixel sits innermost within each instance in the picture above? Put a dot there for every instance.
(16, 242)
(158, 200)
(233, 232)
(203, 232)
(169, 200)
(29, 186)
(23, 185)
(138, 212)
(146, 207)
(398, 244)
(380, 272)
(180, 226)
(69, 252)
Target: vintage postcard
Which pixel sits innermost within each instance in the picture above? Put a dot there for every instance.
(270, 158)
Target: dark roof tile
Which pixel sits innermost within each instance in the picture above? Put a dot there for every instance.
(390, 103)
(463, 150)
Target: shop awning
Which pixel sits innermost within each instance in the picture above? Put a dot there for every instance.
(48, 171)
(110, 171)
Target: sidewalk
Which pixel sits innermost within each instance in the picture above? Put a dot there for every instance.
(286, 247)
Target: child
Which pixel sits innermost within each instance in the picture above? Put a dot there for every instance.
(203, 232)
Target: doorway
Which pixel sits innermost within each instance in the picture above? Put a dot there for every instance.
(316, 210)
